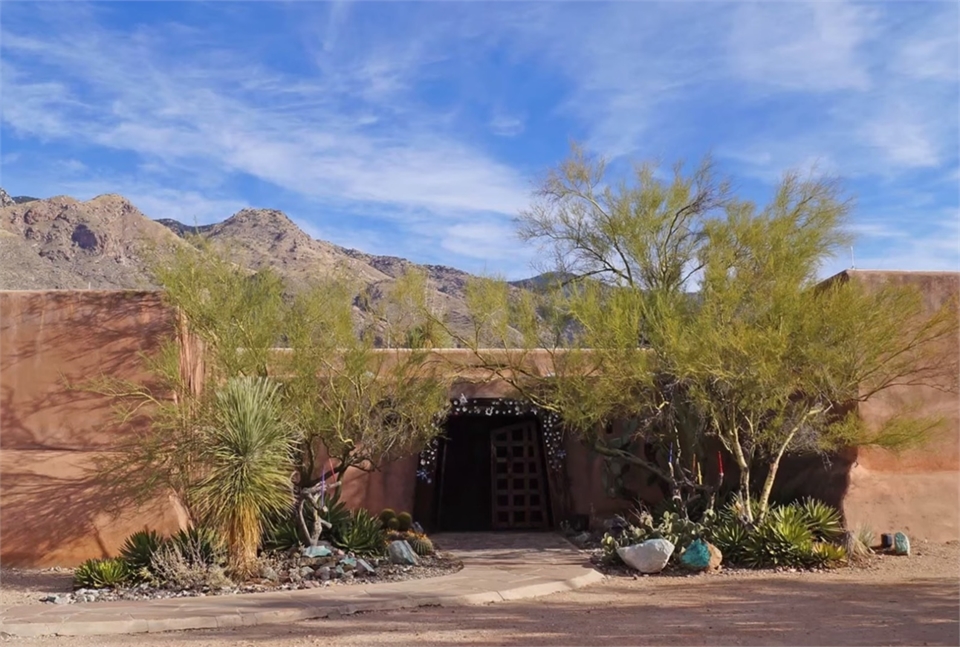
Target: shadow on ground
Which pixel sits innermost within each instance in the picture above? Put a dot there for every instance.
(715, 611)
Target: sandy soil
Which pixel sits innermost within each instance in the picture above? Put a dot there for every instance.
(25, 586)
(893, 601)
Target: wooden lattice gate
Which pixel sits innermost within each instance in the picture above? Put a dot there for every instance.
(519, 482)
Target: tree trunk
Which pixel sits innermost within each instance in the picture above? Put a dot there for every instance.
(774, 465)
(744, 476)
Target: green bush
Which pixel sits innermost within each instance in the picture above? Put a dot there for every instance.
(363, 536)
(200, 545)
(405, 521)
(138, 550)
(101, 573)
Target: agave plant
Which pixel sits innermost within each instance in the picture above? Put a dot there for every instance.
(101, 573)
(139, 549)
(824, 521)
(248, 457)
(363, 536)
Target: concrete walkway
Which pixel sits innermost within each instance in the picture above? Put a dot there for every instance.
(497, 567)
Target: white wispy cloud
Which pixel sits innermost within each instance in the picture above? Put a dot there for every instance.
(285, 131)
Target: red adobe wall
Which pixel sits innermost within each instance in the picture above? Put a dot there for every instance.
(917, 491)
(51, 506)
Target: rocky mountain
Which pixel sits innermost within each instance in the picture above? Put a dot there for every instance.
(106, 243)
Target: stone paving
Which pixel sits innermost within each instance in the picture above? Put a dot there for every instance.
(497, 567)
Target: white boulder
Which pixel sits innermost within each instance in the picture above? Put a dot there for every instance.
(650, 556)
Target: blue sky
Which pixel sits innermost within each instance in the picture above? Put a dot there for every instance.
(418, 129)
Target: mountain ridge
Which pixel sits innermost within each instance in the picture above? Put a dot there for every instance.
(106, 243)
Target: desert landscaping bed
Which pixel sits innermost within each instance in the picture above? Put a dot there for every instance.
(55, 585)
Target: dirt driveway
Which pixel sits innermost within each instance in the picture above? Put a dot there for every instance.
(897, 601)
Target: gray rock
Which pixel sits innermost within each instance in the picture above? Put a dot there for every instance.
(348, 563)
(269, 573)
(401, 553)
(323, 573)
(417, 528)
(364, 568)
(306, 572)
(650, 556)
(582, 538)
(338, 572)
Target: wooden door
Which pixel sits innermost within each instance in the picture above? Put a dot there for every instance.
(519, 484)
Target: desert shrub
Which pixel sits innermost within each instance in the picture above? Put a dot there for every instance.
(200, 544)
(364, 535)
(187, 566)
(101, 573)
(138, 550)
(405, 521)
(859, 543)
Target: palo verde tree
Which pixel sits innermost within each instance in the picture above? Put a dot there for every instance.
(341, 391)
(690, 313)
(354, 397)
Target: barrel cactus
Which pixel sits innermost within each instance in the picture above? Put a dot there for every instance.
(421, 545)
(405, 520)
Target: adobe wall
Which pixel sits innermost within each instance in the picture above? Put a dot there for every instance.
(916, 491)
(52, 507)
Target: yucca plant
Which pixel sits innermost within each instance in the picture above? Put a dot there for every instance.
(363, 536)
(101, 573)
(248, 457)
(138, 550)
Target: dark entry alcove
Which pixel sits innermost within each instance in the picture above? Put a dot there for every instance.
(464, 481)
(499, 464)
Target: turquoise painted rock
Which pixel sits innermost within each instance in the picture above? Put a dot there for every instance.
(697, 556)
(701, 556)
(901, 544)
(316, 551)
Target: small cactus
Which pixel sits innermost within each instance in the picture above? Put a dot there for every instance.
(405, 520)
(421, 545)
(386, 516)
(393, 523)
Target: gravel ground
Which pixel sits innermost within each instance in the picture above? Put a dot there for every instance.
(890, 601)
